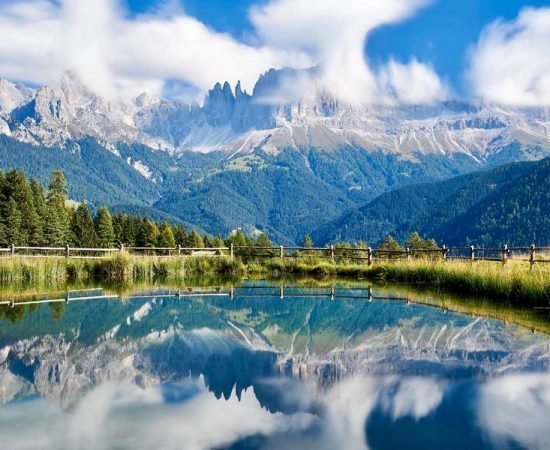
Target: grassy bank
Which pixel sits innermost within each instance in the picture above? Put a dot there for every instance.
(119, 267)
(513, 283)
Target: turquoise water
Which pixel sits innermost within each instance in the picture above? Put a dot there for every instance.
(256, 368)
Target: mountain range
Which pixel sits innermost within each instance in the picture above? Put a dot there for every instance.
(268, 160)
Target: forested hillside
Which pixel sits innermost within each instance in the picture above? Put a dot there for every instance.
(286, 194)
(33, 216)
(510, 204)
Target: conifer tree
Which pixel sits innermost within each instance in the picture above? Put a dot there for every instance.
(415, 241)
(194, 240)
(40, 206)
(147, 234)
(238, 239)
(217, 242)
(3, 239)
(390, 243)
(56, 227)
(308, 242)
(83, 232)
(130, 230)
(166, 236)
(12, 223)
(104, 228)
(179, 234)
(263, 241)
(20, 191)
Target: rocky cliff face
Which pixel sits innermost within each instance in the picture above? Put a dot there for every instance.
(283, 111)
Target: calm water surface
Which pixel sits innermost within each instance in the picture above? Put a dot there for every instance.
(243, 368)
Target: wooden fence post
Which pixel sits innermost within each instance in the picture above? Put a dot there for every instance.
(121, 249)
(472, 253)
(332, 252)
(12, 249)
(444, 251)
(532, 257)
(179, 249)
(282, 249)
(231, 252)
(369, 256)
(504, 254)
(67, 251)
(408, 253)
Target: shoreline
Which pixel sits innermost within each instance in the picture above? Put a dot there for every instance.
(512, 283)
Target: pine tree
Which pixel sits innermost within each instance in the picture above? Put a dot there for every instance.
(415, 241)
(308, 242)
(3, 239)
(179, 234)
(104, 228)
(40, 206)
(263, 241)
(83, 232)
(12, 223)
(217, 242)
(166, 236)
(130, 230)
(390, 243)
(31, 227)
(238, 239)
(194, 240)
(57, 226)
(147, 234)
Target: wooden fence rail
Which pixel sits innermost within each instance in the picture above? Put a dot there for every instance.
(502, 254)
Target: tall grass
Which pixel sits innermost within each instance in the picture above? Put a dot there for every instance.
(120, 266)
(512, 283)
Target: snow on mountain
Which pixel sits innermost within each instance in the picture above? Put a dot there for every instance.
(65, 110)
(13, 95)
(271, 118)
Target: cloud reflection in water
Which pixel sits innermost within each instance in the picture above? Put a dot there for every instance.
(509, 411)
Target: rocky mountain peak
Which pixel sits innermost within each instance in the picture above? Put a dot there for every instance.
(275, 116)
(13, 95)
(145, 100)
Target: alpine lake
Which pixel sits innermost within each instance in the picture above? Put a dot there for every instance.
(282, 364)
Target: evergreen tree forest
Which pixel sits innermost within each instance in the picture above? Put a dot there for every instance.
(31, 215)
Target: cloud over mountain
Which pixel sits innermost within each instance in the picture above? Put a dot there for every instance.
(118, 52)
(115, 54)
(333, 34)
(511, 62)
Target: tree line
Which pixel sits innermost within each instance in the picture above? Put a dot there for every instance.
(33, 216)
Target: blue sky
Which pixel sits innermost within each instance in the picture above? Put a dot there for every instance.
(368, 51)
(441, 34)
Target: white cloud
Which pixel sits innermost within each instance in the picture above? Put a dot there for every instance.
(515, 409)
(117, 54)
(411, 83)
(113, 54)
(511, 62)
(334, 35)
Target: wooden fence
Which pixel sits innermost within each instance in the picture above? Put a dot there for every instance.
(532, 254)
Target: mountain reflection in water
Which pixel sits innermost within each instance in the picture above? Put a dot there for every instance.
(254, 371)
